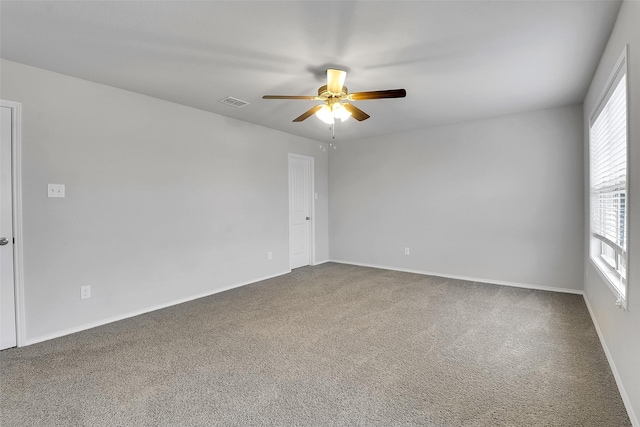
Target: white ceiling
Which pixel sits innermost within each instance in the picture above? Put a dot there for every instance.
(458, 60)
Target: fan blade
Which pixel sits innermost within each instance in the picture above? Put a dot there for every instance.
(378, 94)
(311, 98)
(335, 80)
(310, 112)
(356, 113)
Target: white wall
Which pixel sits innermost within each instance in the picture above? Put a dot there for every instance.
(164, 202)
(498, 200)
(620, 330)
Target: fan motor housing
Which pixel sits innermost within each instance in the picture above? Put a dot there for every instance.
(325, 94)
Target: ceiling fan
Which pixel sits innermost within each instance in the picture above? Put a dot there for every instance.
(334, 93)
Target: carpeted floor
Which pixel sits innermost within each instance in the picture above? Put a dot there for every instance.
(327, 345)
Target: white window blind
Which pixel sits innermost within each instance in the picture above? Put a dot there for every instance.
(608, 171)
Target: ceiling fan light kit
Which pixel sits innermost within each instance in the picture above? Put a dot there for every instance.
(328, 113)
(325, 114)
(333, 94)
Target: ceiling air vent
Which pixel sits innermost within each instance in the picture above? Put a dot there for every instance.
(234, 102)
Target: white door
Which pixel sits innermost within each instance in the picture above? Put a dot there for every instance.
(300, 183)
(7, 289)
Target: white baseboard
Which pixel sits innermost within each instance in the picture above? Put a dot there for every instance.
(86, 326)
(616, 375)
(324, 261)
(470, 279)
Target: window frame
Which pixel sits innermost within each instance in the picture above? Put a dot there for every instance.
(608, 272)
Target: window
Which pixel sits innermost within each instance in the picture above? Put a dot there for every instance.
(608, 148)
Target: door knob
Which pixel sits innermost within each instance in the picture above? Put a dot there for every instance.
(3, 241)
(308, 218)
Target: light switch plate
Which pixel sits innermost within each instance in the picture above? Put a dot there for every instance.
(55, 190)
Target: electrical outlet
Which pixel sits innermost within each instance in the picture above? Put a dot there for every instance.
(85, 292)
(55, 190)
(269, 255)
(407, 251)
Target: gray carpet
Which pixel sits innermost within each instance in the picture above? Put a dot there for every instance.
(327, 345)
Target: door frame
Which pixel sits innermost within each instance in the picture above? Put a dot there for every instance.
(312, 207)
(16, 184)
